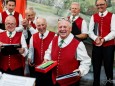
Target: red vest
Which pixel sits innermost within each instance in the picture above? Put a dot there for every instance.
(78, 22)
(66, 58)
(104, 26)
(11, 61)
(16, 15)
(40, 46)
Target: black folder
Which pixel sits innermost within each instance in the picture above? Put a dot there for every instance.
(2, 26)
(96, 30)
(10, 49)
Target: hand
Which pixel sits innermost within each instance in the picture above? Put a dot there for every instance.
(25, 22)
(30, 62)
(101, 42)
(77, 70)
(21, 50)
(1, 45)
(45, 60)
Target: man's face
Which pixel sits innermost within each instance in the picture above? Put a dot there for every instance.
(101, 5)
(30, 16)
(74, 9)
(41, 25)
(10, 6)
(64, 29)
(10, 24)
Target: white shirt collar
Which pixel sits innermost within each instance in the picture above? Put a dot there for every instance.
(104, 13)
(66, 40)
(9, 12)
(74, 18)
(45, 34)
(13, 33)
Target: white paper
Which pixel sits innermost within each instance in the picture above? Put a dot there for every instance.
(12, 80)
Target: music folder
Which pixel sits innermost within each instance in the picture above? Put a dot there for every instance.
(73, 74)
(45, 67)
(96, 30)
(10, 49)
(68, 79)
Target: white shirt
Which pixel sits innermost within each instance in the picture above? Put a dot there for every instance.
(84, 28)
(81, 54)
(20, 28)
(23, 42)
(31, 29)
(108, 37)
(31, 48)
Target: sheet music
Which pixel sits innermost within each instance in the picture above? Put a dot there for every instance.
(73, 74)
(12, 80)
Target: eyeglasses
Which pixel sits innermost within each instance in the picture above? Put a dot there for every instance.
(62, 18)
(99, 5)
(12, 24)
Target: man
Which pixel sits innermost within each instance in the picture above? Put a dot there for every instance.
(79, 25)
(39, 43)
(29, 23)
(68, 54)
(12, 63)
(10, 7)
(102, 32)
(29, 29)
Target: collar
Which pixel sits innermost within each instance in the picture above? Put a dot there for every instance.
(76, 17)
(9, 12)
(66, 40)
(45, 34)
(104, 13)
(13, 33)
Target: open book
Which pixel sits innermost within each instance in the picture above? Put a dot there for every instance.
(11, 49)
(13, 80)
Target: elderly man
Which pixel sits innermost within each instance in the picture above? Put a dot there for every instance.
(29, 23)
(39, 43)
(102, 32)
(12, 63)
(68, 52)
(79, 25)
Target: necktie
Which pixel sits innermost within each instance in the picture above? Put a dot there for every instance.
(10, 13)
(61, 42)
(102, 15)
(42, 36)
(10, 33)
(73, 19)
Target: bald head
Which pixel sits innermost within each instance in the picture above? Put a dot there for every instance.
(10, 23)
(41, 25)
(10, 18)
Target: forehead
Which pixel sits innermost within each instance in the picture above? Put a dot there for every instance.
(74, 5)
(11, 3)
(29, 12)
(100, 1)
(10, 20)
(63, 23)
(40, 21)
